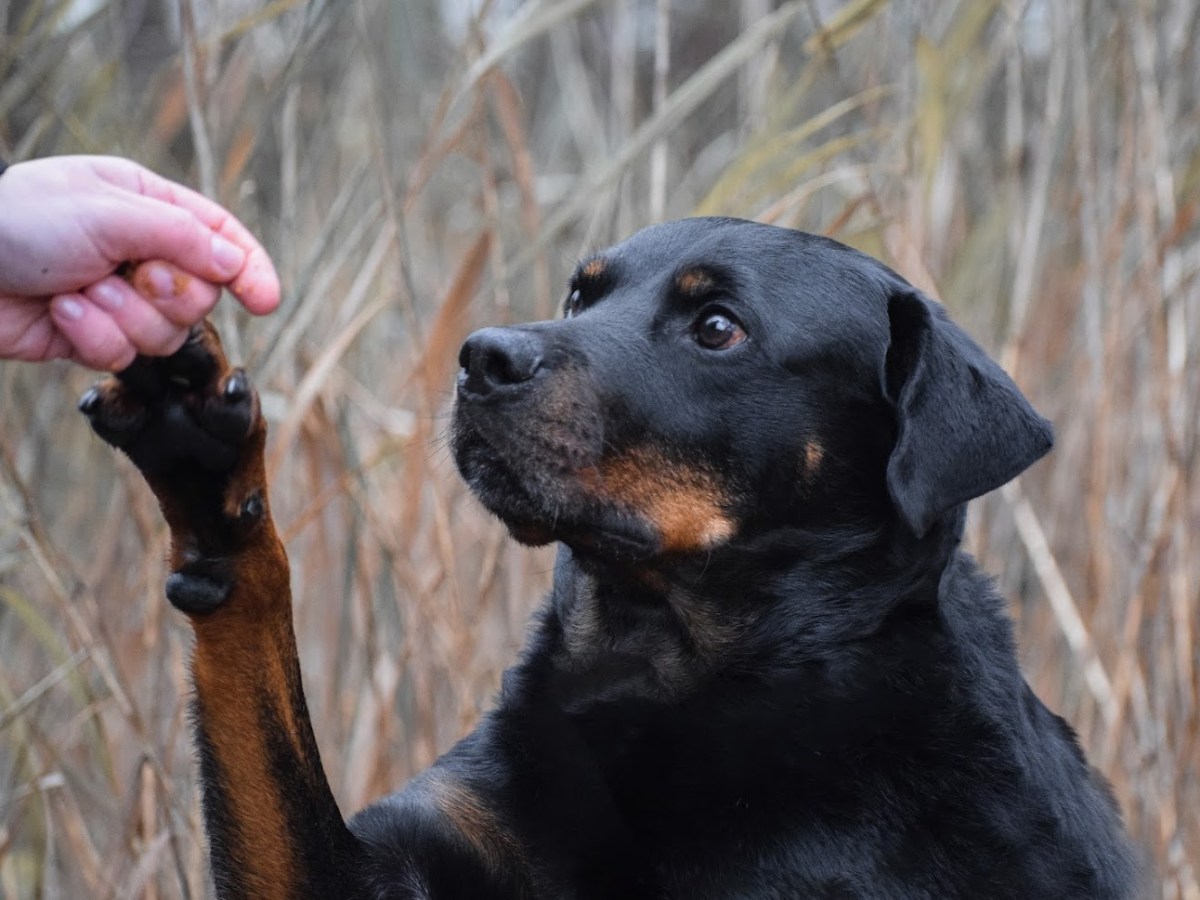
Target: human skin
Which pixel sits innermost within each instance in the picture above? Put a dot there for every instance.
(68, 223)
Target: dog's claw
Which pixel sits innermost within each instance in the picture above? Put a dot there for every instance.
(89, 401)
(237, 387)
(252, 509)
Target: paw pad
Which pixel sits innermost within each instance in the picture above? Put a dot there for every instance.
(196, 594)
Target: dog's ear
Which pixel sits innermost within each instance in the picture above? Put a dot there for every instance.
(964, 428)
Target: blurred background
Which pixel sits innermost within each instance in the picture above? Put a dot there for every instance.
(421, 167)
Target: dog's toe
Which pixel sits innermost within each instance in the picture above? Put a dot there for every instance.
(113, 414)
(230, 411)
(196, 364)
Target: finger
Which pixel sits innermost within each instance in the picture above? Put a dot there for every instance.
(58, 347)
(255, 282)
(257, 286)
(150, 332)
(27, 332)
(180, 296)
(153, 229)
(96, 340)
(126, 226)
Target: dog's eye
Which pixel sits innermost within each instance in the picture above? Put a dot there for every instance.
(573, 304)
(718, 331)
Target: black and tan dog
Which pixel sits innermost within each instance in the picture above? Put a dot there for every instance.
(765, 669)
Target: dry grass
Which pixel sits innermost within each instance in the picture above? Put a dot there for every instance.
(1034, 163)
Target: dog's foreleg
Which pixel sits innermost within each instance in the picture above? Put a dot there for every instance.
(193, 427)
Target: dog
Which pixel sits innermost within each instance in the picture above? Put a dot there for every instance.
(765, 668)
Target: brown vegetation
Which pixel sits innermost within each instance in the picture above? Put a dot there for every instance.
(1034, 163)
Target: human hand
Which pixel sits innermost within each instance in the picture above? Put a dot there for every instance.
(67, 223)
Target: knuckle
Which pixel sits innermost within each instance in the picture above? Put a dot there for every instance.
(182, 229)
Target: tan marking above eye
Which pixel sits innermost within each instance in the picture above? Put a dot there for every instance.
(685, 504)
(694, 282)
(593, 268)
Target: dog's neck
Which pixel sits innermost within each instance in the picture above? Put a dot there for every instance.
(786, 599)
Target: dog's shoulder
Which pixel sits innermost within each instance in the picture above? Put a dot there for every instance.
(1033, 793)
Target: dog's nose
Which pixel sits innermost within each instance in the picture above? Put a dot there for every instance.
(496, 358)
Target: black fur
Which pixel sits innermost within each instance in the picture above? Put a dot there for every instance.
(765, 669)
(826, 703)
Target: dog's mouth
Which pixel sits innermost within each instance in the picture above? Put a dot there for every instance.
(556, 479)
(539, 495)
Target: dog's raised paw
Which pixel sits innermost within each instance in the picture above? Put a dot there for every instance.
(186, 411)
(192, 426)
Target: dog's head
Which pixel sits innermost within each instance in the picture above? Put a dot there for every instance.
(714, 380)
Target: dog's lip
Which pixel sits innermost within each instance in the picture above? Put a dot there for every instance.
(530, 534)
(584, 539)
(624, 534)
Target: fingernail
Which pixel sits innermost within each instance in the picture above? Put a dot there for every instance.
(69, 307)
(227, 257)
(108, 296)
(160, 282)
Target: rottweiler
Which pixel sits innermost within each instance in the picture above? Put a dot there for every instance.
(765, 669)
